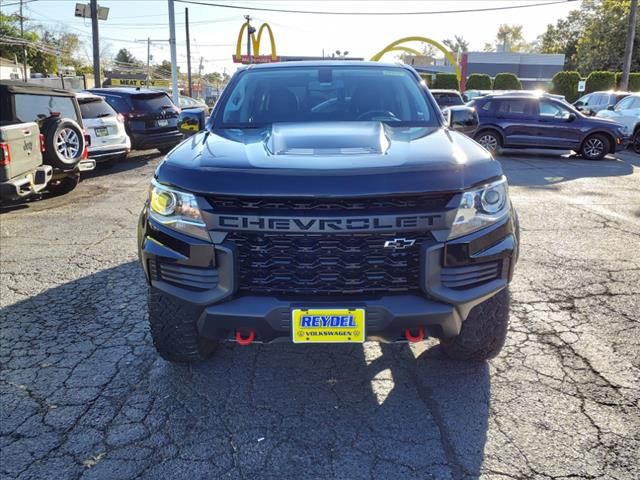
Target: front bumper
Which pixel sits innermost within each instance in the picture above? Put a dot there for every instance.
(204, 274)
(143, 140)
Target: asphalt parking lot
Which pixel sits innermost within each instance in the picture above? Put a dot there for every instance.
(84, 395)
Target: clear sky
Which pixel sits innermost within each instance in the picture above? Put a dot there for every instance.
(214, 30)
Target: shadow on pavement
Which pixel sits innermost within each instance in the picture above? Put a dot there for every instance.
(545, 168)
(84, 395)
(132, 162)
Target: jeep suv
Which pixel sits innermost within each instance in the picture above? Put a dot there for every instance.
(328, 202)
(150, 117)
(42, 140)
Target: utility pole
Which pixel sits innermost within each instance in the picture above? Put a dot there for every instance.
(174, 55)
(186, 20)
(96, 44)
(148, 60)
(250, 31)
(628, 48)
(24, 45)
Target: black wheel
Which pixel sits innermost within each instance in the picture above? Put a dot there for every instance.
(174, 329)
(595, 147)
(63, 143)
(483, 332)
(165, 150)
(635, 141)
(489, 139)
(65, 184)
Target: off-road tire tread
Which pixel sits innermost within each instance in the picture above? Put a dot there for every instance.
(484, 331)
(173, 325)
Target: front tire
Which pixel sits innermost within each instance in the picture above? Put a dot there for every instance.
(595, 147)
(635, 142)
(484, 331)
(489, 139)
(174, 330)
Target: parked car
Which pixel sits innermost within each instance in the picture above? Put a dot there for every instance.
(189, 102)
(469, 95)
(627, 113)
(109, 140)
(525, 121)
(150, 117)
(594, 102)
(447, 98)
(42, 140)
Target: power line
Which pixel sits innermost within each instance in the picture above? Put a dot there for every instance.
(361, 13)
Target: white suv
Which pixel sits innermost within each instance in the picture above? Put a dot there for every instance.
(627, 113)
(109, 140)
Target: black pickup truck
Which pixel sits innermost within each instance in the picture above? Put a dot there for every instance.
(328, 202)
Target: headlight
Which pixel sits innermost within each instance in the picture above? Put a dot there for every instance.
(480, 208)
(177, 210)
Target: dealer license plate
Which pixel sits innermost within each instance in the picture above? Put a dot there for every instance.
(163, 123)
(328, 325)
(102, 132)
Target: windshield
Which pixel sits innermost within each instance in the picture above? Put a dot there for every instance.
(325, 94)
(151, 102)
(95, 108)
(447, 99)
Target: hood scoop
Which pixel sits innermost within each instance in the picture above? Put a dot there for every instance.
(327, 138)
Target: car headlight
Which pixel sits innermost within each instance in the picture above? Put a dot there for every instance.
(481, 207)
(176, 210)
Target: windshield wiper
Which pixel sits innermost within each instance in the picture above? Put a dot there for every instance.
(106, 114)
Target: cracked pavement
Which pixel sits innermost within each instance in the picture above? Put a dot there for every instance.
(84, 395)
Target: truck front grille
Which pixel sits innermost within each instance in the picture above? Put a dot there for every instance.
(326, 264)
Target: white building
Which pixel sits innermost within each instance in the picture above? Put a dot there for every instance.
(10, 70)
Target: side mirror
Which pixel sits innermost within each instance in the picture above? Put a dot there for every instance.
(571, 117)
(579, 103)
(190, 122)
(611, 107)
(463, 119)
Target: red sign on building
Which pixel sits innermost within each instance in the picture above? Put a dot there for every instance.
(246, 59)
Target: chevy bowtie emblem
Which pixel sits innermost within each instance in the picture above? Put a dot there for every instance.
(399, 243)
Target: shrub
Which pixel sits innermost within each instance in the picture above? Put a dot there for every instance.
(600, 81)
(478, 81)
(566, 83)
(446, 81)
(506, 81)
(634, 81)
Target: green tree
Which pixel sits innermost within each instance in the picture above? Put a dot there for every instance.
(446, 81)
(593, 37)
(125, 57)
(40, 56)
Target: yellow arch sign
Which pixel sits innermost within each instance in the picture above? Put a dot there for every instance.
(397, 46)
(255, 43)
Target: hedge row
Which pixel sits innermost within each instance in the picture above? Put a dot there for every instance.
(447, 81)
(566, 83)
(478, 81)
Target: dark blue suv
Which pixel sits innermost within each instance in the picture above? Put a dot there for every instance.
(519, 120)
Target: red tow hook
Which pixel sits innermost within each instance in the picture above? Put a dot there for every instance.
(245, 340)
(414, 338)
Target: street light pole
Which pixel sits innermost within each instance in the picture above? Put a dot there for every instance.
(174, 55)
(96, 44)
(186, 22)
(628, 48)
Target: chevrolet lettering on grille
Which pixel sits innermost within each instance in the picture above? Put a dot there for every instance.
(379, 223)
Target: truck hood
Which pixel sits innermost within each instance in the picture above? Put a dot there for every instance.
(327, 159)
